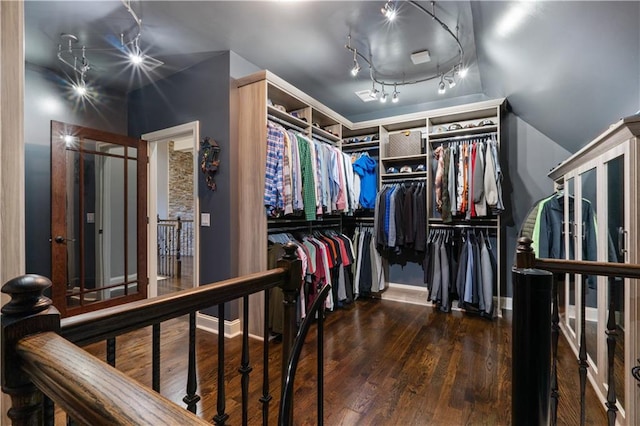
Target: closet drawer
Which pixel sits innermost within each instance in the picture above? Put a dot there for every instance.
(405, 143)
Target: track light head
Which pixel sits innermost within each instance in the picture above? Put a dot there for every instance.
(136, 58)
(451, 82)
(395, 98)
(374, 93)
(389, 10)
(441, 88)
(80, 89)
(356, 68)
(383, 96)
(463, 72)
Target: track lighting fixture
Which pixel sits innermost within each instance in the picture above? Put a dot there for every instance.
(356, 66)
(395, 98)
(383, 96)
(457, 71)
(389, 10)
(76, 57)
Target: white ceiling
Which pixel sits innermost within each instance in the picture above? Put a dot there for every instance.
(568, 68)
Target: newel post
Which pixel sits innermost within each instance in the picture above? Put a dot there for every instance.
(28, 312)
(291, 288)
(531, 339)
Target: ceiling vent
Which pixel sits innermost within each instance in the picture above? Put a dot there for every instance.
(420, 57)
(365, 95)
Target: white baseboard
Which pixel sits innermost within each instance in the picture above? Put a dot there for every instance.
(210, 324)
(417, 295)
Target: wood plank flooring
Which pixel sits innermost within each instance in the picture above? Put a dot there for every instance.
(386, 363)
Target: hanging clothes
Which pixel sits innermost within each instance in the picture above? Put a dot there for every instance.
(307, 177)
(400, 217)
(467, 179)
(460, 266)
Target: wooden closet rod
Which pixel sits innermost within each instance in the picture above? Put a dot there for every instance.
(408, 179)
(460, 225)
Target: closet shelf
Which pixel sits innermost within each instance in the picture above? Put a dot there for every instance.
(403, 175)
(359, 145)
(463, 132)
(404, 158)
(287, 117)
(323, 133)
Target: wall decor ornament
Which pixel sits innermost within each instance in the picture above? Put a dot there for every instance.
(210, 160)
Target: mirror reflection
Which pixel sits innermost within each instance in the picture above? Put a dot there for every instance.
(101, 222)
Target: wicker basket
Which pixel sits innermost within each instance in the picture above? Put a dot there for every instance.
(405, 143)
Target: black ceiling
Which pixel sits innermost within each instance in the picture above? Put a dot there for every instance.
(568, 68)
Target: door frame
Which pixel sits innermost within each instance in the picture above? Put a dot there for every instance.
(154, 138)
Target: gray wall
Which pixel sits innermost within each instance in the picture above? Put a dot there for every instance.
(199, 93)
(527, 157)
(47, 98)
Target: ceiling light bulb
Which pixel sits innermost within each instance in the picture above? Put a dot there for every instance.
(389, 11)
(80, 89)
(441, 88)
(68, 139)
(374, 93)
(383, 98)
(452, 82)
(135, 58)
(395, 98)
(356, 69)
(463, 72)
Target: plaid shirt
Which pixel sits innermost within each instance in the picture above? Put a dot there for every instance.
(273, 186)
(308, 178)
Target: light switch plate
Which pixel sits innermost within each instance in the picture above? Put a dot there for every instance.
(205, 219)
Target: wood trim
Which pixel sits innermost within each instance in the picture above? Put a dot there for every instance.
(87, 394)
(12, 169)
(58, 218)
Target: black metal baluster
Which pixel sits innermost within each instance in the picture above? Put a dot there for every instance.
(221, 417)
(245, 368)
(320, 365)
(192, 398)
(155, 357)
(555, 331)
(612, 333)
(266, 397)
(111, 351)
(48, 410)
(582, 357)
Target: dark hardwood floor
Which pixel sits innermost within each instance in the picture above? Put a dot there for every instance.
(386, 363)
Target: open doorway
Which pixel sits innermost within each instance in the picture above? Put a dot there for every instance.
(173, 208)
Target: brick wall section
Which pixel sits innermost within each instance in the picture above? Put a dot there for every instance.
(180, 184)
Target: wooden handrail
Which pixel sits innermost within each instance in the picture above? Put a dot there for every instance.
(585, 267)
(105, 323)
(525, 258)
(96, 394)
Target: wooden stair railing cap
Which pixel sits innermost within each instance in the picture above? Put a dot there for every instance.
(525, 256)
(27, 296)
